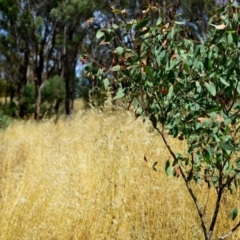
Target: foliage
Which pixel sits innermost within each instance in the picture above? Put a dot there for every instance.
(189, 90)
(4, 120)
(10, 109)
(40, 41)
(3, 88)
(53, 94)
(28, 100)
(53, 90)
(82, 89)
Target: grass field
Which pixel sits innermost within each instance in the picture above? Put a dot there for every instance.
(85, 178)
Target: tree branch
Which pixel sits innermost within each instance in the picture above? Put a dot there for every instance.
(229, 233)
(200, 213)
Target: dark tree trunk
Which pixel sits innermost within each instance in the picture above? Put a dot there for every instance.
(68, 68)
(21, 84)
(38, 87)
(37, 103)
(69, 88)
(11, 92)
(57, 105)
(68, 97)
(39, 66)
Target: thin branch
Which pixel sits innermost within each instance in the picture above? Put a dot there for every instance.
(160, 106)
(229, 233)
(92, 59)
(217, 204)
(234, 98)
(200, 213)
(228, 183)
(166, 143)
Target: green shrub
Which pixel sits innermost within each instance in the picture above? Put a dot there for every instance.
(53, 90)
(3, 87)
(53, 95)
(4, 120)
(28, 100)
(10, 109)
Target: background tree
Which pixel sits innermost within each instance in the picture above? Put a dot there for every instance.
(71, 16)
(14, 45)
(41, 39)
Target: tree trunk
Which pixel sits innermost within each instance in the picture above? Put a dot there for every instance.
(69, 61)
(67, 100)
(37, 102)
(21, 84)
(69, 87)
(12, 93)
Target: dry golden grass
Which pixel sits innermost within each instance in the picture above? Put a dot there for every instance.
(86, 178)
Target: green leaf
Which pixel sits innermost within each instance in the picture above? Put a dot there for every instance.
(100, 72)
(99, 34)
(173, 64)
(179, 23)
(172, 33)
(167, 168)
(142, 24)
(150, 84)
(186, 68)
(170, 92)
(224, 82)
(211, 88)
(229, 39)
(187, 43)
(234, 213)
(227, 166)
(161, 56)
(159, 21)
(198, 86)
(120, 93)
(210, 152)
(194, 107)
(228, 147)
(139, 111)
(106, 83)
(154, 166)
(199, 125)
(149, 72)
(119, 50)
(207, 156)
(115, 26)
(116, 68)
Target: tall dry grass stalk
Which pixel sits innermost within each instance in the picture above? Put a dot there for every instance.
(85, 178)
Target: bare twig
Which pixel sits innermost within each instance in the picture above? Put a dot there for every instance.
(229, 233)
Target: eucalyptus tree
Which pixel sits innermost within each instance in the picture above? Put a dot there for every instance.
(61, 33)
(27, 41)
(74, 22)
(42, 44)
(14, 45)
(189, 90)
(41, 39)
